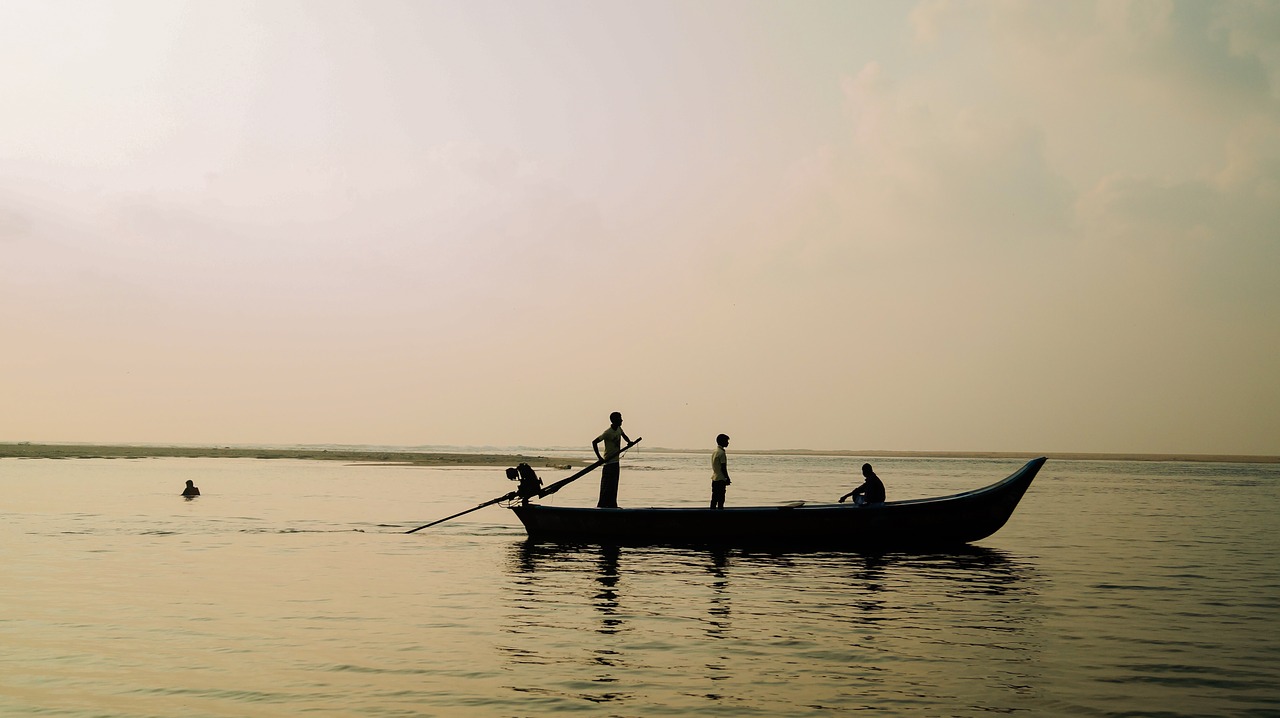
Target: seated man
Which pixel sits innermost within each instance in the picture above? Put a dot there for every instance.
(191, 489)
(530, 484)
(870, 492)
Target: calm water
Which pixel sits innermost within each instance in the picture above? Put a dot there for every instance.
(287, 589)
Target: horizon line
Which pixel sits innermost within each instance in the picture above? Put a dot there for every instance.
(869, 453)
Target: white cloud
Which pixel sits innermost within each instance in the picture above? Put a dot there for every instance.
(920, 176)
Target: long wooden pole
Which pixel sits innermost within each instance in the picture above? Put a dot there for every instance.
(544, 492)
(551, 489)
(511, 495)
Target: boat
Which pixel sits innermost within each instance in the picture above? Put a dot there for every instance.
(943, 521)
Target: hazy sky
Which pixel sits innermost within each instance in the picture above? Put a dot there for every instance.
(1021, 226)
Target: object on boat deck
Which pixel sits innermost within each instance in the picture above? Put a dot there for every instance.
(530, 485)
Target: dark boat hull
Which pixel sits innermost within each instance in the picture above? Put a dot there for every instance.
(948, 520)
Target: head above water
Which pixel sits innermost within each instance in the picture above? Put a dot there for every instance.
(722, 440)
(615, 418)
(190, 482)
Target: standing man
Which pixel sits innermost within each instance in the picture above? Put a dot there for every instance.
(612, 438)
(719, 472)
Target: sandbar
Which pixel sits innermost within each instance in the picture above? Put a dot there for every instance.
(26, 450)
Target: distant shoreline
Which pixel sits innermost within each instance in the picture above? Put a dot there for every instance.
(1058, 456)
(26, 450)
(370, 456)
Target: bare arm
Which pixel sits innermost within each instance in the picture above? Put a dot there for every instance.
(595, 446)
(860, 490)
(724, 468)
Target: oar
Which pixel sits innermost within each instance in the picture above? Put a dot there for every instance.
(511, 495)
(545, 492)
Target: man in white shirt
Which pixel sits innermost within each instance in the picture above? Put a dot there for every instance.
(612, 438)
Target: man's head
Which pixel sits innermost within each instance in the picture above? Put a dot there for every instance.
(615, 418)
(866, 469)
(190, 482)
(722, 440)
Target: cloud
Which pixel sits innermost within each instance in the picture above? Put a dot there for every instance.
(1218, 231)
(1170, 49)
(1253, 31)
(920, 176)
(1141, 120)
(961, 169)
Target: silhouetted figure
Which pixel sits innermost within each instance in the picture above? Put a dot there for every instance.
(191, 491)
(612, 438)
(530, 485)
(870, 492)
(719, 472)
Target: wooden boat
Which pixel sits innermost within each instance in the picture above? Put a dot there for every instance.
(948, 520)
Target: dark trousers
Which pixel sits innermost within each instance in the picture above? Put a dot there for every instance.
(608, 487)
(717, 494)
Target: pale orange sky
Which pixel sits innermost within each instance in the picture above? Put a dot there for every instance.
(1004, 226)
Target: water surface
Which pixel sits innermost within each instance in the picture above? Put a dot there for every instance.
(1118, 588)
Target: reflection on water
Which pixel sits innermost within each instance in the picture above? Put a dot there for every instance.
(720, 610)
(748, 625)
(606, 601)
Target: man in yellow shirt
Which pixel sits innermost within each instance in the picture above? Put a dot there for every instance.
(719, 472)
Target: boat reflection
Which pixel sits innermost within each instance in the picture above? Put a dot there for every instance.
(968, 571)
(719, 612)
(975, 568)
(606, 600)
(645, 605)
